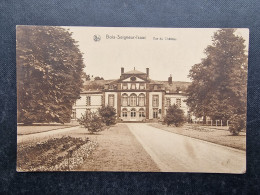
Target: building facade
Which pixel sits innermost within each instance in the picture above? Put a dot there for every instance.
(134, 95)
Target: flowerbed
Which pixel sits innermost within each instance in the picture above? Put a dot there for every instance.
(56, 154)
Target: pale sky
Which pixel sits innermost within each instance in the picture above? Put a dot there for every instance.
(164, 57)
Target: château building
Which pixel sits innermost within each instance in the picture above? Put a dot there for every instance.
(134, 95)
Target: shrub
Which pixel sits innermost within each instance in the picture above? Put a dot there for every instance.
(175, 116)
(108, 115)
(92, 122)
(237, 124)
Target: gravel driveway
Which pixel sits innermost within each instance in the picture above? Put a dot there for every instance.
(178, 153)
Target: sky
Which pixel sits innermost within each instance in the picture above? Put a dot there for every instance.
(166, 51)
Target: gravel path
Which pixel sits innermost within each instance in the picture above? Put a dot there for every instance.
(178, 153)
(41, 135)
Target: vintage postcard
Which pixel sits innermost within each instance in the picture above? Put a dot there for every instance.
(131, 99)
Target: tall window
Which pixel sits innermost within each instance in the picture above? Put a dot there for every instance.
(133, 86)
(168, 102)
(155, 113)
(124, 85)
(124, 100)
(133, 112)
(141, 99)
(111, 100)
(133, 98)
(88, 100)
(142, 86)
(124, 113)
(141, 112)
(155, 100)
(73, 114)
(178, 102)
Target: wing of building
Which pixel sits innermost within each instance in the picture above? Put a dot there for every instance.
(134, 95)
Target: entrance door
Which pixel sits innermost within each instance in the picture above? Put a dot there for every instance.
(133, 115)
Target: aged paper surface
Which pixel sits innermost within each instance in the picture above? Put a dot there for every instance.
(131, 99)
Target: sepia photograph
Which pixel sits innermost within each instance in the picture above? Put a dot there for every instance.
(126, 99)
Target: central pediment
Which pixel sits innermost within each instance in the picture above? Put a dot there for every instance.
(133, 79)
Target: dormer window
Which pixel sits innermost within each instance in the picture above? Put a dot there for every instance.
(133, 86)
(142, 86)
(124, 85)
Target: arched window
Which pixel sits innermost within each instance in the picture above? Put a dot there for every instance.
(141, 99)
(133, 112)
(133, 98)
(124, 99)
(141, 112)
(124, 113)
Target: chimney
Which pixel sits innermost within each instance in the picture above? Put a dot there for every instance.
(122, 70)
(170, 79)
(147, 72)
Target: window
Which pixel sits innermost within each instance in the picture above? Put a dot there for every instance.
(141, 99)
(124, 113)
(168, 102)
(133, 98)
(155, 100)
(111, 87)
(133, 113)
(133, 78)
(142, 86)
(88, 100)
(73, 114)
(178, 102)
(111, 100)
(133, 86)
(124, 85)
(155, 113)
(141, 113)
(124, 100)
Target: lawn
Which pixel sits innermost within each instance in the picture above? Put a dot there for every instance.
(118, 150)
(210, 134)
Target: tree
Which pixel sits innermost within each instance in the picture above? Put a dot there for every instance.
(91, 121)
(175, 116)
(98, 78)
(218, 88)
(108, 115)
(49, 72)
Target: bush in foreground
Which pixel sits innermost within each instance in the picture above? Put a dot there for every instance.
(108, 115)
(175, 116)
(238, 123)
(92, 122)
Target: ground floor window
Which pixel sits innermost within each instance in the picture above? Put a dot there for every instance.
(73, 114)
(155, 113)
(133, 113)
(141, 113)
(124, 113)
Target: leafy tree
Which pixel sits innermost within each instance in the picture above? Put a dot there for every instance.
(108, 115)
(49, 71)
(98, 78)
(218, 88)
(175, 116)
(92, 121)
